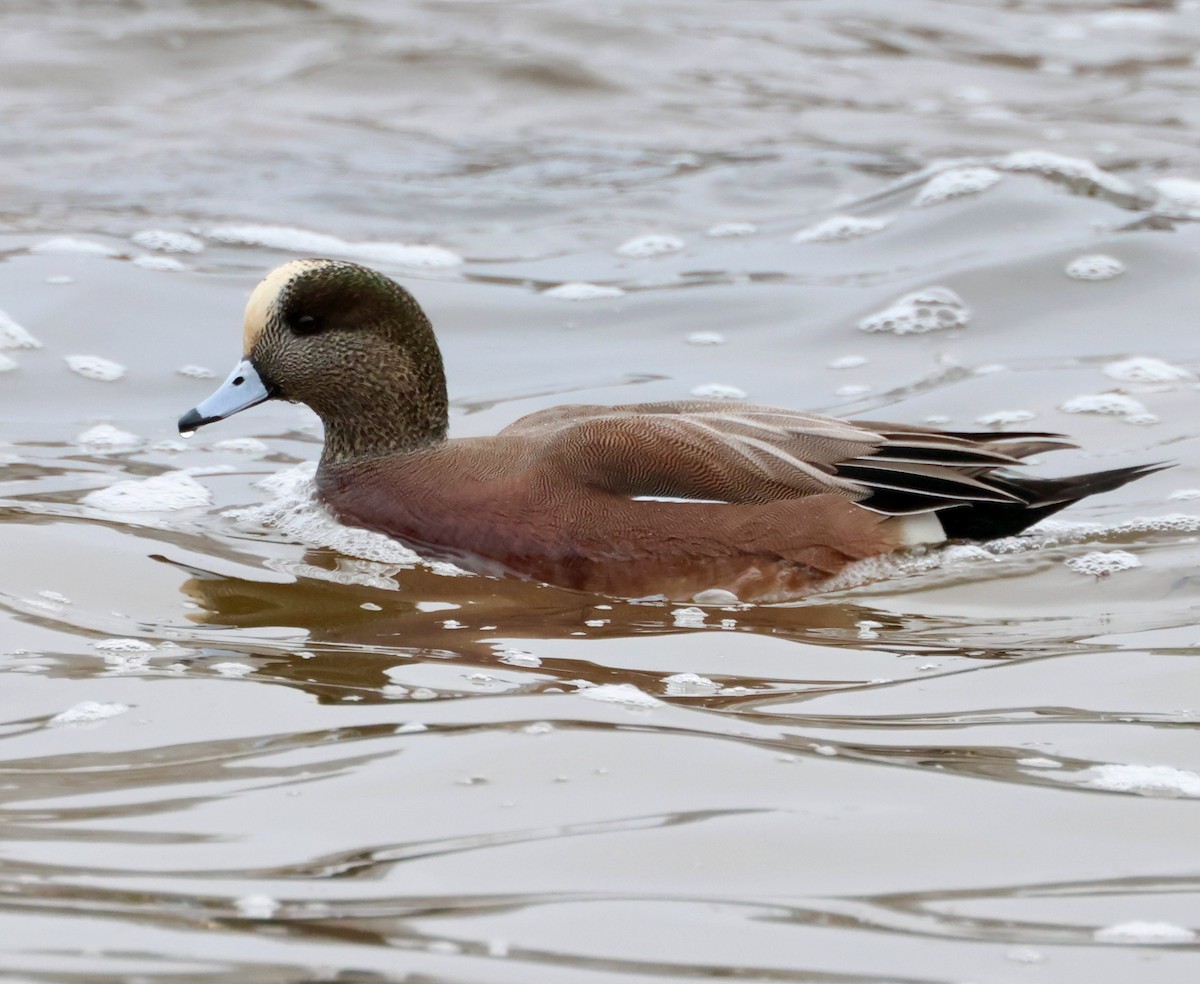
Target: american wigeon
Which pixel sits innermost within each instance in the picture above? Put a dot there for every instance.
(651, 498)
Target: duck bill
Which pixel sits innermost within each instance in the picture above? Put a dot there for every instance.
(244, 388)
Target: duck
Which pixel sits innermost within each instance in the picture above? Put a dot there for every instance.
(668, 499)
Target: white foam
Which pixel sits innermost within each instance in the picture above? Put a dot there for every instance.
(294, 240)
(689, 684)
(849, 362)
(13, 336)
(955, 183)
(620, 693)
(1185, 494)
(718, 391)
(852, 389)
(706, 338)
(59, 279)
(577, 290)
(70, 244)
(1095, 266)
(197, 372)
(256, 906)
(123, 646)
(651, 245)
(168, 492)
(1144, 369)
(723, 230)
(1102, 563)
(1075, 170)
(1109, 403)
(95, 367)
(7, 364)
(689, 618)
(251, 447)
(164, 264)
(234, 670)
(295, 513)
(1144, 932)
(841, 228)
(1178, 198)
(1001, 417)
(106, 437)
(166, 241)
(1146, 780)
(87, 712)
(930, 309)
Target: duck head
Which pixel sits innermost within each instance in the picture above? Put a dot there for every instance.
(351, 344)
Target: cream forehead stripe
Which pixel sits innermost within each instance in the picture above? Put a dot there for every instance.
(262, 300)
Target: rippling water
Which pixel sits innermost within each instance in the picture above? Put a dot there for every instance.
(239, 744)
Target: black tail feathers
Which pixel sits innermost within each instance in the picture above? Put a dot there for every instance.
(1039, 498)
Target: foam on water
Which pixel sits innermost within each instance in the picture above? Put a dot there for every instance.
(1146, 780)
(123, 646)
(689, 618)
(620, 693)
(929, 309)
(849, 362)
(295, 513)
(168, 492)
(256, 906)
(106, 437)
(251, 447)
(706, 338)
(1102, 563)
(7, 364)
(1153, 933)
(1185, 494)
(1106, 403)
(1000, 417)
(197, 372)
(689, 685)
(88, 712)
(651, 245)
(164, 264)
(1095, 266)
(580, 291)
(13, 336)
(1144, 369)
(166, 241)
(841, 228)
(1077, 172)
(293, 240)
(1178, 198)
(852, 389)
(73, 245)
(726, 229)
(956, 183)
(718, 391)
(95, 367)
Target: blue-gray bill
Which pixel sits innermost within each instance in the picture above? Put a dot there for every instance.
(243, 388)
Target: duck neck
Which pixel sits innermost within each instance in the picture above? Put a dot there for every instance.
(412, 416)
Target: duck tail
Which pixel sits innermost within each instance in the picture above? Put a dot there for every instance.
(1037, 498)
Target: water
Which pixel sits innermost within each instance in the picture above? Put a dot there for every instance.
(242, 744)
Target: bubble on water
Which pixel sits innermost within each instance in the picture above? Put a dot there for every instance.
(166, 241)
(164, 264)
(620, 693)
(13, 336)
(1154, 933)
(577, 290)
(1146, 780)
(689, 618)
(251, 447)
(256, 906)
(841, 228)
(71, 244)
(723, 230)
(849, 362)
(106, 437)
(1102, 563)
(1077, 172)
(852, 389)
(88, 712)
(295, 513)
(95, 367)
(715, 596)
(1106, 403)
(7, 364)
(706, 338)
(689, 685)
(1144, 369)
(1001, 417)
(197, 372)
(231, 669)
(1095, 266)
(651, 245)
(1178, 198)
(955, 184)
(718, 391)
(293, 240)
(168, 492)
(930, 309)
(123, 646)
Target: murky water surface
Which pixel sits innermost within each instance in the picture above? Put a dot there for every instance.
(239, 745)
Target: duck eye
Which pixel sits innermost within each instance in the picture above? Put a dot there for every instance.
(306, 324)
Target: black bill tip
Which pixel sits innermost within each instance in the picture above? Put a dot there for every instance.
(193, 420)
